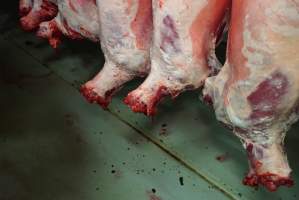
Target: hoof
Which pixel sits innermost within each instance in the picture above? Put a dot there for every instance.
(270, 181)
(148, 108)
(136, 105)
(32, 20)
(93, 97)
(29, 24)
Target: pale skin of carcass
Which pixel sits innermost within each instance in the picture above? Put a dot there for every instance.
(75, 19)
(182, 53)
(257, 91)
(34, 12)
(125, 33)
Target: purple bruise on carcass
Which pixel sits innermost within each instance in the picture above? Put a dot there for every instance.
(169, 36)
(269, 93)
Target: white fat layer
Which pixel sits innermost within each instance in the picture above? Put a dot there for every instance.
(282, 14)
(179, 67)
(118, 40)
(85, 18)
(174, 66)
(123, 59)
(111, 77)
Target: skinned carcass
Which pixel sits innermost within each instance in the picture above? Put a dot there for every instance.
(183, 49)
(126, 32)
(257, 91)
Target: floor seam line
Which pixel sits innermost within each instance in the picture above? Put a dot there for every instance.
(140, 132)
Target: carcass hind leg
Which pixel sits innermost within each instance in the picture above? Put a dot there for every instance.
(43, 10)
(102, 87)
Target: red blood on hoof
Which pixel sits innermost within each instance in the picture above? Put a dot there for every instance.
(265, 99)
(93, 97)
(161, 93)
(250, 181)
(135, 104)
(269, 180)
(148, 108)
(29, 23)
(48, 11)
(53, 34)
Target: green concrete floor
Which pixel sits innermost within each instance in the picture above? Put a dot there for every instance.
(55, 146)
